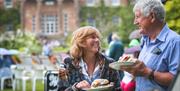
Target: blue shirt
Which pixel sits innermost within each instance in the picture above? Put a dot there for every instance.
(161, 54)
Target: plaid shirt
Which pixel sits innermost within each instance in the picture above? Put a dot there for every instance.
(75, 74)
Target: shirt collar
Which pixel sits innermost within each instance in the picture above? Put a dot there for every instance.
(161, 36)
(96, 73)
(84, 66)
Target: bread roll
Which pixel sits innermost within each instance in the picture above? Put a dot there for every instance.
(99, 82)
(126, 58)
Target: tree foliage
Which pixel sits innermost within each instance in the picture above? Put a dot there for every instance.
(103, 17)
(10, 16)
(173, 14)
(20, 41)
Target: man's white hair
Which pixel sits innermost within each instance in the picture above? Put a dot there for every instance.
(148, 6)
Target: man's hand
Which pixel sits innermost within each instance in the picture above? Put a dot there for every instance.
(137, 69)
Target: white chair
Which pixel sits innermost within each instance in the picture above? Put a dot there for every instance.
(16, 74)
(44, 60)
(25, 59)
(22, 73)
(47, 63)
(39, 73)
(6, 74)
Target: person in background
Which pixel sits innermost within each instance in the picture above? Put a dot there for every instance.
(134, 38)
(86, 63)
(160, 51)
(134, 50)
(53, 59)
(5, 71)
(47, 51)
(109, 38)
(116, 48)
(134, 44)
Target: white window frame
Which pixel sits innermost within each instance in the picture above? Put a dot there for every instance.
(115, 20)
(65, 21)
(115, 2)
(49, 2)
(33, 24)
(8, 3)
(90, 3)
(49, 24)
(91, 22)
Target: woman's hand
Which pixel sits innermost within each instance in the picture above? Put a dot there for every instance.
(83, 84)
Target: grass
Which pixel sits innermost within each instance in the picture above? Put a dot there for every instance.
(39, 86)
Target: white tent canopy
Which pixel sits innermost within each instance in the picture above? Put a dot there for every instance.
(4, 51)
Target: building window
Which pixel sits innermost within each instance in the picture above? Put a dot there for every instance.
(49, 2)
(33, 24)
(116, 20)
(49, 24)
(9, 27)
(90, 3)
(91, 22)
(65, 23)
(8, 3)
(115, 2)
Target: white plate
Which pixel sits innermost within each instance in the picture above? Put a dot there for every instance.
(100, 88)
(116, 65)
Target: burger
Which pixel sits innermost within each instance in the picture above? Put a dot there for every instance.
(99, 82)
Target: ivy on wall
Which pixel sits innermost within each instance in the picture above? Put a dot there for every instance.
(9, 17)
(103, 17)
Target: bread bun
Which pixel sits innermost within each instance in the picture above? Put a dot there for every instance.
(126, 58)
(99, 82)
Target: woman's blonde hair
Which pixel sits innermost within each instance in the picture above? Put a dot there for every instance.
(79, 37)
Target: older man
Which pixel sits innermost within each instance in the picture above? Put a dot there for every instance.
(160, 48)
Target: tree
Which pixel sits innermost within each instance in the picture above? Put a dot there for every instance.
(103, 17)
(20, 40)
(173, 14)
(9, 17)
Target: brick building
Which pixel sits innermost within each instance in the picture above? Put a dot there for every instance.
(53, 17)
(49, 17)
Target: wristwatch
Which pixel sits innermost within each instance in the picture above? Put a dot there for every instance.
(151, 76)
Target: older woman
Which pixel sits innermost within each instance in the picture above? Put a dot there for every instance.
(86, 62)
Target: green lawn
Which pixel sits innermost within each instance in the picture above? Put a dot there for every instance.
(39, 86)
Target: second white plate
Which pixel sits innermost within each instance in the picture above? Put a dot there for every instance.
(116, 65)
(100, 88)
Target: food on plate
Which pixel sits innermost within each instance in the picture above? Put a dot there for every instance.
(99, 82)
(100, 85)
(127, 58)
